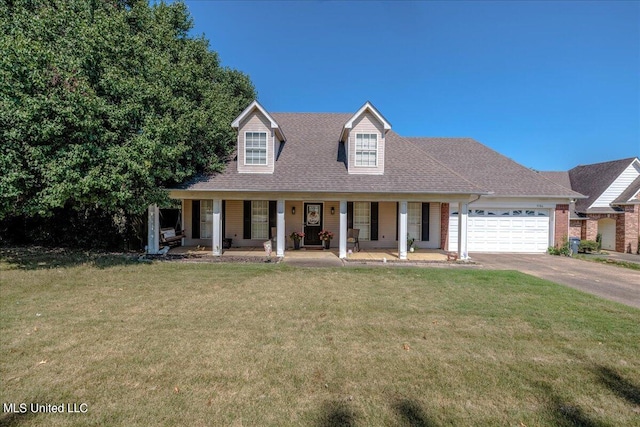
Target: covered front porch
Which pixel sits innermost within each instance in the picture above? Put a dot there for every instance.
(373, 255)
(388, 228)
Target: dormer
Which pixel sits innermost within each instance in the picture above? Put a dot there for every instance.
(364, 136)
(257, 135)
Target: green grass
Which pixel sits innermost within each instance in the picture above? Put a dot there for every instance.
(609, 261)
(272, 345)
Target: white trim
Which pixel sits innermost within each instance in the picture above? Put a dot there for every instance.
(355, 150)
(463, 211)
(216, 234)
(368, 106)
(280, 230)
(343, 229)
(402, 230)
(256, 105)
(266, 156)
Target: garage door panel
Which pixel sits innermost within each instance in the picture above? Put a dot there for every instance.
(514, 230)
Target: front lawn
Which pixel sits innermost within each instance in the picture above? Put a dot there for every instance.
(272, 345)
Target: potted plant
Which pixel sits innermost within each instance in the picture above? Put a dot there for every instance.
(296, 236)
(326, 236)
(410, 241)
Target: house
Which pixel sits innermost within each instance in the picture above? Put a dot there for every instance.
(313, 171)
(612, 205)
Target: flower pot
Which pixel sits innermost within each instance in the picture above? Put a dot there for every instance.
(326, 244)
(296, 245)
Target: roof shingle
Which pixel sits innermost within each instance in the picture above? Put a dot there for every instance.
(312, 160)
(491, 169)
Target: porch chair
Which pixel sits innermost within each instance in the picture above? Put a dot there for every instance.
(169, 237)
(352, 238)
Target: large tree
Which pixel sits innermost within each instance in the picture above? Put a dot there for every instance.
(103, 103)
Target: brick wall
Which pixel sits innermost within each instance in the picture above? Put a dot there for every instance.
(627, 230)
(444, 226)
(575, 228)
(591, 228)
(562, 224)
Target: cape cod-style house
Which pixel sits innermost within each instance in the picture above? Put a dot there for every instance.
(331, 171)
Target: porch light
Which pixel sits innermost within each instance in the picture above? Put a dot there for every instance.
(333, 210)
(293, 210)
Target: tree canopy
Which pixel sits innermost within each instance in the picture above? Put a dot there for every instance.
(103, 103)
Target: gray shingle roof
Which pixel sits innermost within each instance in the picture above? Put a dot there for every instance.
(490, 169)
(559, 177)
(312, 160)
(592, 180)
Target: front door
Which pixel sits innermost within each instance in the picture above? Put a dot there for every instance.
(312, 223)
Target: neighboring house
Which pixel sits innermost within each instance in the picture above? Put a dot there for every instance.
(612, 206)
(313, 171)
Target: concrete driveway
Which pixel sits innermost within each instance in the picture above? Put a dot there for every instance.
(607, 281)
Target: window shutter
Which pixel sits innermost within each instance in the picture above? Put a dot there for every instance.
(349, 214)
(246, 220)
(273, 216)
(195, 219)
(425, 222)
(374, 220)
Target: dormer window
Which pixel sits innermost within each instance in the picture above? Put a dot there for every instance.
(367, 149)
(365, 138)
(257, 136)
(255, 148)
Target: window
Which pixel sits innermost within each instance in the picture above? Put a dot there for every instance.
(414, 220)
(255, 148)
(206, 219)
(366, 149)
(362, 219)
(260, 219)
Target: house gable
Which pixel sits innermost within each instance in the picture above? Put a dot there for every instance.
(259, 137)
(364, 136)
(595, 179)
(618, 186)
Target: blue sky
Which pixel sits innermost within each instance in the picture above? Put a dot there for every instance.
(548, 84)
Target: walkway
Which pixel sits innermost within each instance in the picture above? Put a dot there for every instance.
(316, 257)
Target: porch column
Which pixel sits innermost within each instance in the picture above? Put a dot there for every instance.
(402, 230)
(280, 239)
(216, 242)
(153, 230)
(343, 229)
(182, 228)
(463, 215)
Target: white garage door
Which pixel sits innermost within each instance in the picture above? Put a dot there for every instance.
(503, 230)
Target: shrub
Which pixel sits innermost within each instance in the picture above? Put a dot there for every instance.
(588, 246)
(563, 249)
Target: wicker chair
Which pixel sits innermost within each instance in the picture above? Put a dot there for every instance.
(353, 238)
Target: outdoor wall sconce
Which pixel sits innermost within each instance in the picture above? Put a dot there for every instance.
(333, 210)
(293, 210)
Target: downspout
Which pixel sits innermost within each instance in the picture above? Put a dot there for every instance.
(473, 201)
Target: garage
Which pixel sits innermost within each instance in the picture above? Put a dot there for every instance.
(503, 230)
